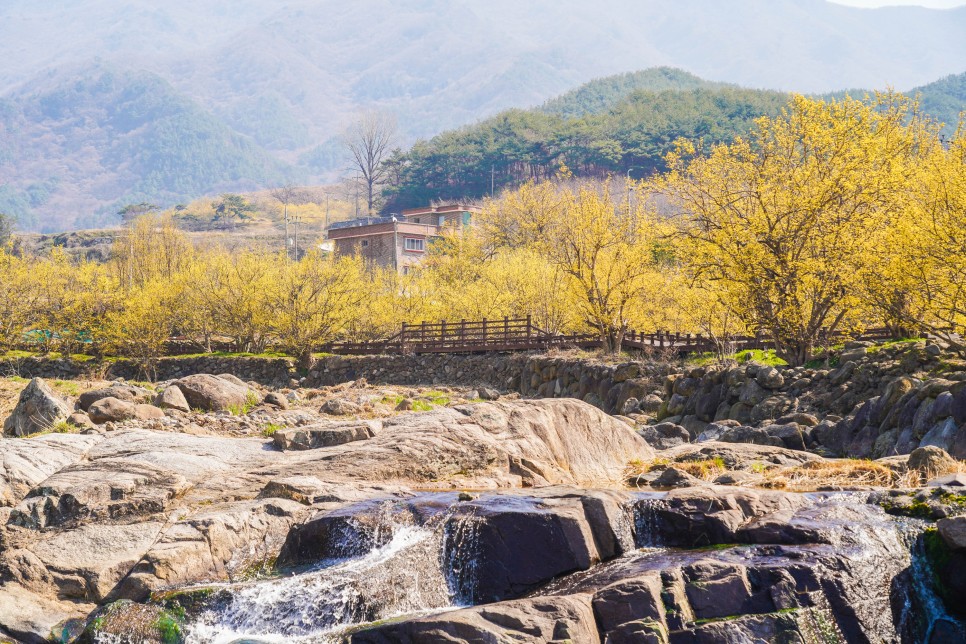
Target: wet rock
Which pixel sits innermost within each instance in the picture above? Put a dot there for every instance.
(953, 532)
(172, 398)
(31, 617)
(214, 393)
(707, 515)
(535, 538)
(534, 620)
(38, 408)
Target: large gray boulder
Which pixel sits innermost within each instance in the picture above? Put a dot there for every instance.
(172, 398)
(117, 390)
(113, 410)
(213, 393)
(37, 410)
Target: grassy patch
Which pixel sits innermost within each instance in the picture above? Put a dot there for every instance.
(251, 401)
(422, 405)
(67, 387)
(766, 357)
(269, 429)
(238, 354)
(17, 355)
(392, 400)
(891, 343)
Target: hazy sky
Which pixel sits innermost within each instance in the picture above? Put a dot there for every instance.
(935, 4)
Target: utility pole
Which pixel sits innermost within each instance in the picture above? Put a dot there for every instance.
(285, 217)
(296, 220)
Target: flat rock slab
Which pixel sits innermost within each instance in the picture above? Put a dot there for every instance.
(505, 444)
(26, 462)
(88, 562)
(738, 456)
(325, 434)
(31, 617)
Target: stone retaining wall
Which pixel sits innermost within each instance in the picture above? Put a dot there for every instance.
(605, 386)
(271, 372)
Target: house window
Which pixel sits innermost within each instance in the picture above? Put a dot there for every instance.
(415, 245)
(365, 242)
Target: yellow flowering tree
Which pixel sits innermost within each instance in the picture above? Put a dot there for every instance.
(784, 222)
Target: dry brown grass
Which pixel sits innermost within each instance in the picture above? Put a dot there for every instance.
(810, 476)
(845, 473)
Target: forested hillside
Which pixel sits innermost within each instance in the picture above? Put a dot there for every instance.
(82, 148)
(244, 89)
(602, 94)
(945, 99)
(631, 137)
(623, 124)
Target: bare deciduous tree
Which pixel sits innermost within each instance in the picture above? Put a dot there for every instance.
(369, 140)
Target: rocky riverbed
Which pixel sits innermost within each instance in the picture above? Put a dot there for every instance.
(208, 509)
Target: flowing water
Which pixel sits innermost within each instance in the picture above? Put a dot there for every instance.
(397, 563)
(410, 573)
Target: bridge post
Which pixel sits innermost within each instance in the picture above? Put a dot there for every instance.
(506, 329)
(484, 332)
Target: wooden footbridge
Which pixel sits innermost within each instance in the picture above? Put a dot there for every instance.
(520, 334)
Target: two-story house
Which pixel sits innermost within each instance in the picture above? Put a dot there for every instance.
(399, 241)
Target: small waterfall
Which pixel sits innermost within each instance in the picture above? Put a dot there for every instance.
(646, 529)
(923, 612)
(461, 556)
(403, 572)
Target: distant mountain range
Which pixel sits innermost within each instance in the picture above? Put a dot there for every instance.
(103, 102)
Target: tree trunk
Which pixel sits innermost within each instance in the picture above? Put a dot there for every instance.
(306, 360)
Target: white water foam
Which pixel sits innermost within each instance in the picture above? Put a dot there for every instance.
(403, 577)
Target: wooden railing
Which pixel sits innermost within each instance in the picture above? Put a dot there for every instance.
(519, 334)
